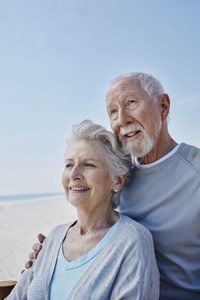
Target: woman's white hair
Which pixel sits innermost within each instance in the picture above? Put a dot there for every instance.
(117, 159)
(150, 84)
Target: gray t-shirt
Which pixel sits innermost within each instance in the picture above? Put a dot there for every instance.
(166, 199)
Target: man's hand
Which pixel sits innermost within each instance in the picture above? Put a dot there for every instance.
(36, 249)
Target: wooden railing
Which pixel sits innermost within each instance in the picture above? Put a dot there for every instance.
(5, 288)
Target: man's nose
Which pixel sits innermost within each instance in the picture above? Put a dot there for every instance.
(76, 173)
(124, 117)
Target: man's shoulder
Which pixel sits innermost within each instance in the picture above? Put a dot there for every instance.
(191, 154)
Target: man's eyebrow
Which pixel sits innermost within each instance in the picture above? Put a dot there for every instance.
(89, 158)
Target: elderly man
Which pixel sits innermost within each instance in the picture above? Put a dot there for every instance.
(164, 191)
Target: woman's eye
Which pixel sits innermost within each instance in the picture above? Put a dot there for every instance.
(68, 166)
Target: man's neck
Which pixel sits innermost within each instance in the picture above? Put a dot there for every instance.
(159, 150)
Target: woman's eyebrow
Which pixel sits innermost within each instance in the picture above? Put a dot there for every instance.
(84, 159)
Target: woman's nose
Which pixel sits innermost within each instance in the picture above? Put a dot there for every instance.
(76, 173)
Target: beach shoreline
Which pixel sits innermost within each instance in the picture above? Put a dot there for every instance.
(19, 225)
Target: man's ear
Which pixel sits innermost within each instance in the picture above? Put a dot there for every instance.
(119, 182)
(164, 106)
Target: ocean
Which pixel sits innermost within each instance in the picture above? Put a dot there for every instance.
(19, 198)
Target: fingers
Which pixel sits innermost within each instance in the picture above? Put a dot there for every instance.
(28, 264)
(33, 255)
(41, 237)
(37, 247)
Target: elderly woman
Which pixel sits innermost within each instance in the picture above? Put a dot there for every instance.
(102, 255)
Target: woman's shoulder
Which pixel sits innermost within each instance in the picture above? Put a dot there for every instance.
(58, 232)
(135, 243)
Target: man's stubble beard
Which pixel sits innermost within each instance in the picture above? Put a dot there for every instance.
(141, 145)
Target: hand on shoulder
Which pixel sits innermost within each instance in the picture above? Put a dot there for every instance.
(36, 249)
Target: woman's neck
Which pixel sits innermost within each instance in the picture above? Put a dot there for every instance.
(99, 219)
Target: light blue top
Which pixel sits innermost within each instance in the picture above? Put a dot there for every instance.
(71, 272)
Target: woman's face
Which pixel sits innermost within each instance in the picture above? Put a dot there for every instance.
(87, 179)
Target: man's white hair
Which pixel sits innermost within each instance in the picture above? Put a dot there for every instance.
(150, 84)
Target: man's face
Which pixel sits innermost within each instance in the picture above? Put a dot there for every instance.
(135, 118)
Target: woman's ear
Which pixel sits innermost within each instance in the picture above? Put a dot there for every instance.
(119, 182)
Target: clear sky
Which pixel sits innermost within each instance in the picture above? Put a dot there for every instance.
(56, 59)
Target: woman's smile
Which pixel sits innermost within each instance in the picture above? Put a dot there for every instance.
(78, 188)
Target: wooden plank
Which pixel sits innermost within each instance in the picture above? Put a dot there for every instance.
(5, 288)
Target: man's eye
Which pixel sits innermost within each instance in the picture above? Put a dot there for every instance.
(89, 165)
(131, 101)
(113, 111)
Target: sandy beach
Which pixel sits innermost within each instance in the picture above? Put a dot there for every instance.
(19, 225)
